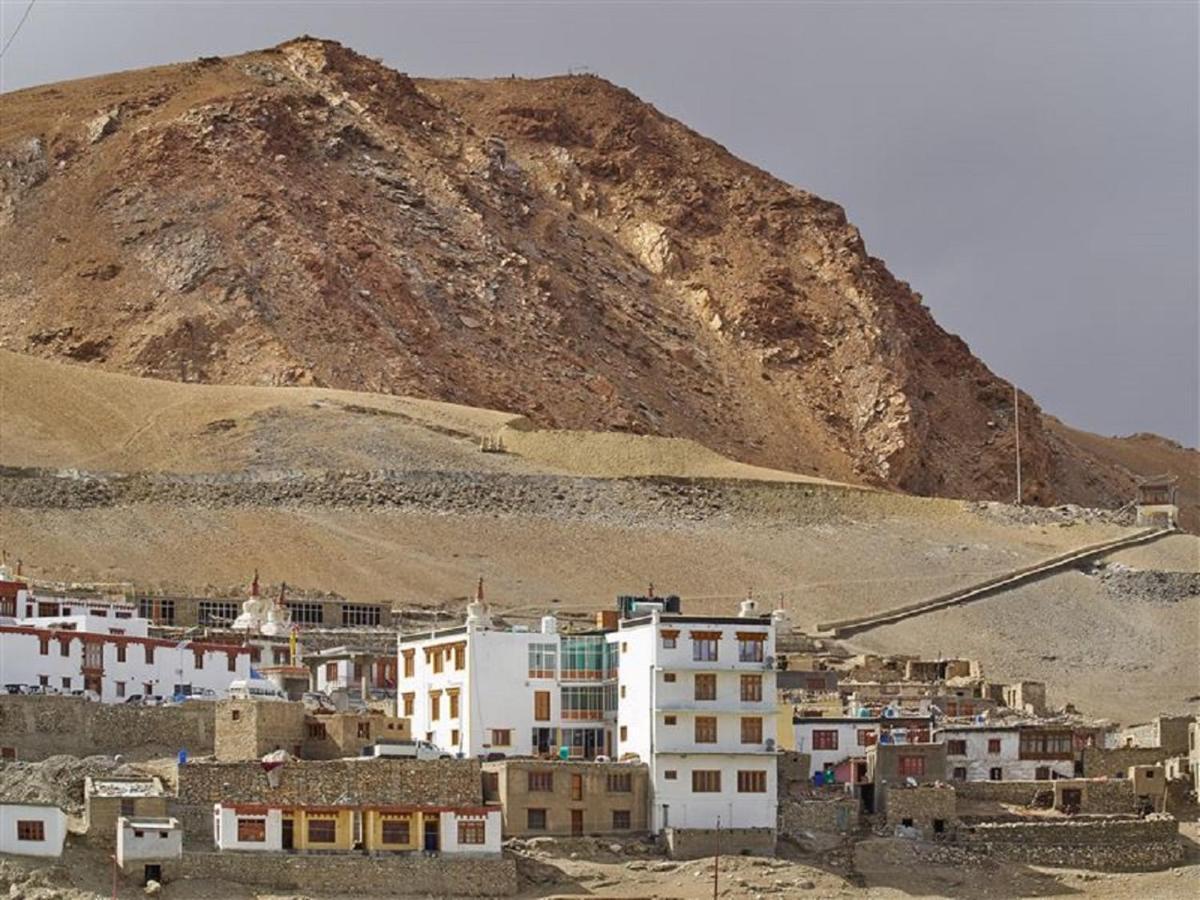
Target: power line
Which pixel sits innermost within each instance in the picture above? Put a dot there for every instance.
(16, 30)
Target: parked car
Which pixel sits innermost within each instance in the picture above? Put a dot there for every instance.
(405, 750)
(134, 700)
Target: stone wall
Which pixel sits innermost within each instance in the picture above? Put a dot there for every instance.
(1104, 843)
(1115, 763)
(249, 729)
(1098, 797)
(1018, 793)
(576, 789)
(793, 769)
(354, 872)
(693, 843)
(921, 807)
(38, 727)
(835, 814)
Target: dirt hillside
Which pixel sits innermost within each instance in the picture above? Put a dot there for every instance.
(189, 488)
(554, 247)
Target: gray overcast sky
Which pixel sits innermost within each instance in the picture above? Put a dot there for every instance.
(1030, 168)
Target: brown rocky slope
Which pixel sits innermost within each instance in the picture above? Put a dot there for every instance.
(304, 215)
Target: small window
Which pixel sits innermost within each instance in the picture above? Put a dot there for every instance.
(624, 732)
(996, 774)
(621, 820)
(956, 748)
(960, 773)
(752, 782)
(671, 775)
(364, 730)
(120, 653)
(231, 662)
(395, 831)
(620, 782)
(751, 688)
(408, 703)
(453, 737)
(825, 739)
(316, 731)
(669, 720)
(535, 819)
(541, 781)
(322, 831)
(669, 677)
(44, 646)
(706, 781)
(501, 737)
(127, 806)
(752, 730)
(251, 830)
(66, 682)
(149, 652)
(472, 831)
(31, 830)
(911, 766)
(120, 688)
(435, 706)
(993, 746)
(236, 715)
(622, 692)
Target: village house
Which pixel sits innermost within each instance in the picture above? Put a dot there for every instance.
(357, 670)
(898, 766)
(697, 703)
(108, 799)
(146, 844)
(838, 744)
(249, 729)
(569, 798)
(341, 806)
(996, 752)
(477, 689)
(180, 611)
(32, 829)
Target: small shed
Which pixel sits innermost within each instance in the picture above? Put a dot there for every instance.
(145, 844)
(32, 829)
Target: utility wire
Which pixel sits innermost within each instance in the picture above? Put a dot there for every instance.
(16, 30)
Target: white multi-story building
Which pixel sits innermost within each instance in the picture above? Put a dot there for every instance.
(1007, 752)
(476, 689)
(697, 703)
(68, 644)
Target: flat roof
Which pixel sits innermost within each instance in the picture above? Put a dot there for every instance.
(698, 620)
(149, 786)
(151, 824)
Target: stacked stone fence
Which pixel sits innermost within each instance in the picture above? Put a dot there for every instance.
(37, 727)
(1104, 843)
(840, 815)
(359, 874)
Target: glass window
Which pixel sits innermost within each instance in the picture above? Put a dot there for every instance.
(359, 614)
(752, 688)
(306, 613)
(620, 782)
(706, 781)
(396, 830)
(750, 648)
(472, 831)
(322, 831)
(621, 820)
(251, 830)
(911, 766)
(752, 730)
(543, 660)
(541, 781)
(535, 819)
(706, 729)
(825, 739)
(704, 649)
(752, 782)
(584, 702)
(705, 687)
(217, 612)
(31, 830)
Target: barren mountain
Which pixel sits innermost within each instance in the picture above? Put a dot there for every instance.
(555, 247)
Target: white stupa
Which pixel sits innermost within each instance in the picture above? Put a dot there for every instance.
(254, 610)
(279, 617)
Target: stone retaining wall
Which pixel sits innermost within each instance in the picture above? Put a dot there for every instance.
(355, 874)
(1101, 843)
(1019, 793)
(40, 726)
(693, 843)
(837, 815)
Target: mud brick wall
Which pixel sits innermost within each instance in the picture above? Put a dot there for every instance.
(793, 769)
(1105, 844)
(354, 873)
(38, 727)
(693, 843)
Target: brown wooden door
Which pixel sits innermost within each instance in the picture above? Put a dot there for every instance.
(541, 706)
(576, 822)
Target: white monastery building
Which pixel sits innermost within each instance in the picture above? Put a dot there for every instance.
(68, 644)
